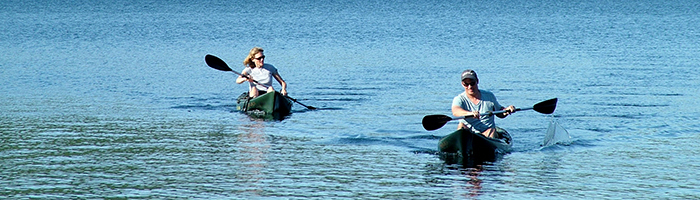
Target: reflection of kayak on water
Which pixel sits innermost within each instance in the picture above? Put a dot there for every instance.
(468, 148)
(268, 104)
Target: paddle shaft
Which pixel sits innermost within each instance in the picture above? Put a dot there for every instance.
(434, 122)
(490, 113)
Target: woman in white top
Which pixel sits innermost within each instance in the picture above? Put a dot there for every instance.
(260, 72)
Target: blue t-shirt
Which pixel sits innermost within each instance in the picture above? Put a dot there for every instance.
(262, 75)
(487, 103)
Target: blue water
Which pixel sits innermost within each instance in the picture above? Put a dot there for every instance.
(113, 99)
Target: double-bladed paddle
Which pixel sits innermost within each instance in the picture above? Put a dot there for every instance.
(217, 63)
(434, 122)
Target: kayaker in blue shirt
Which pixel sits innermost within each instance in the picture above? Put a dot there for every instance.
(474, 102)
(260, 72)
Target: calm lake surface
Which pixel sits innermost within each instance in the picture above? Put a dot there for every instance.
(113, 99)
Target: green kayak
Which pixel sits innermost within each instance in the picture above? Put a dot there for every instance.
(468, 148)
(269, 104)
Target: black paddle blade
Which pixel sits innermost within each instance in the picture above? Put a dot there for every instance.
(216, 63)
(546, 107)
(434, 122)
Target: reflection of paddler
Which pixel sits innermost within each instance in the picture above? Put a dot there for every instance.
(252, 147)
(259, 74)
(473, 175)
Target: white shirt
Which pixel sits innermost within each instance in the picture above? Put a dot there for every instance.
(262, 75)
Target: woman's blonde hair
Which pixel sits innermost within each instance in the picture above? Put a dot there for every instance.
(248, 61)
